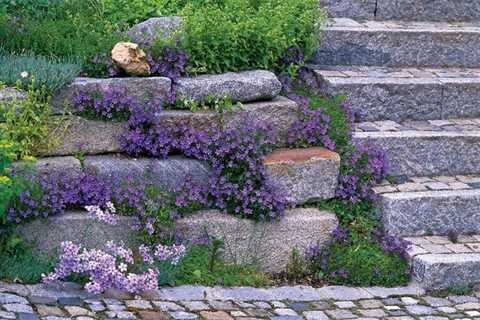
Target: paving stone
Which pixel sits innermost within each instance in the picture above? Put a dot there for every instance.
(18, 289)
(340, 314)
(238, 314)
(70, 301)
(116, 307)
(7, 315)
(447, 309)
(298, 306)
(17, 307)
(222, 305)
(315, 315)
(264, 305)
(374, 313)
(474, 313)
(43, 300)
(168, 306)
(260, 313)
(468, 306)
(419, 309)
(195, 305)
(398, 291)
(153, 315)
(321, 305)
(462, 299)
(182, 315)
(215, 315)
(11, 298)
(75, 311)
(343, 293)
(437, 302)
(44, 310)
(285, 312)
(286, 318)
(121, 314)
(344, 304)
(409, 300)
(370, 304)
(138, 304)
(27, 316)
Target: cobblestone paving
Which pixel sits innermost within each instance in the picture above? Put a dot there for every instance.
(439, 183)
(192, 302)
(443, 245)
(429, 125)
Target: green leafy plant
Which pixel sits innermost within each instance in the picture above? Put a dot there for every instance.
(297, 267)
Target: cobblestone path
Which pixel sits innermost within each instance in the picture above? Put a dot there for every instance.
(192, 302)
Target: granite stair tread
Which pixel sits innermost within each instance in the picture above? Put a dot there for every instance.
(442, 262)
(346, 41)
(404, 93)
(426, 148)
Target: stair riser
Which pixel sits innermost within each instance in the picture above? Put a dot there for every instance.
(388, 47)
(406, 98)
(431, 213)
(441, 272)
(409, 10)
(413, 153)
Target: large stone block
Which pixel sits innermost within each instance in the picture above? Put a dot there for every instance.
(428, 153)
(69, 165)
(142, 89)
(46, 235)
(167, 173)
(431, 212)
(244, 86)
(347, 42)
(160, 28)
(268, 245)
(446, 271)
(356, 9)
(305, 174)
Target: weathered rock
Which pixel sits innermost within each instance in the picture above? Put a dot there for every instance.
(347, 42)
(130, 58)
(141, 89)
(79, 136)
(161, 28)
(356, 9)
(446, 271)
(239, 87)
(9, 94)
(270, 244)
(431, 212)
(79, 227)
(428, 153)
(305, 174)
(69, 165)
(166, 173)
(280, 112)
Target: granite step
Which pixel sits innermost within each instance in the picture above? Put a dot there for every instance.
(409, 10)
(426, 148)
(79, 135)
(268, 245)
(441, 263)
(421, 206)
(396, 43)
(400, 94)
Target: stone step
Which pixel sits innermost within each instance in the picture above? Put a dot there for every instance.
(431, 206)
(409, 10)
(396, 43)
(82, 136)
(244, 86)
(400, 94)
(438, 263)
(426, 148)
(306, 175)
(269, 245)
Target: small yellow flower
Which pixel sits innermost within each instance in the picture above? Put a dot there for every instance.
(5, 180)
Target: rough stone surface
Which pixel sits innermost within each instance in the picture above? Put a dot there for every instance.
(269, 245)
(8, 94)
(398, 94)
(357, 9)
(159, 28)
(417, 153)
(47, 235)
(305, 174)
(443, 271)
(165, 173)
(142, 89)
(239, 87)
(50, 165)
(347, 42)
(431, 212)
(77, 135)
(130, 58)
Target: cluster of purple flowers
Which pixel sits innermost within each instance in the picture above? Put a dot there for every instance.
(392, 244)
(113, 267)
(365, 165)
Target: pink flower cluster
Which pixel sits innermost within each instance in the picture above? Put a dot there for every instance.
(112, 267)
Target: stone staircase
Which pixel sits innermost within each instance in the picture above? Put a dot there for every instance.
(412, 70)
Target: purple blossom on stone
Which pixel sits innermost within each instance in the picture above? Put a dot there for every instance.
(107, 215)
(391, 244)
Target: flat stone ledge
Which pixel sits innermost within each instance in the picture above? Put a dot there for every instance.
(268, 245)
(305, 174)
(427, 153)
(444, 271)
(244, 86)
(399, 94)
(397, 43)
(69, 165)
(142, 89)
(431, 212)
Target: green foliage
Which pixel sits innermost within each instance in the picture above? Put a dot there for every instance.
(23, 266)
(297, 267)
(348, 213)
(195, 268)
(26, 121)
(219, 105)
(234, 35)
(51, 74)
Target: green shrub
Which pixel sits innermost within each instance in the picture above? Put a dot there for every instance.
(51, 74)
(234, 35)
(23, 266)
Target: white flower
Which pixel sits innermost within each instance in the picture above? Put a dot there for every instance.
(24, 74)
